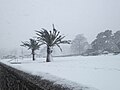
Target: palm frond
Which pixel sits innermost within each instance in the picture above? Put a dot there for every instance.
(59, 47)
(65, 42)
(50, 38)
(58, 39)
(32, 44)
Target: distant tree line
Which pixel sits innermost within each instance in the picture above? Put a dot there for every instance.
(104, 43)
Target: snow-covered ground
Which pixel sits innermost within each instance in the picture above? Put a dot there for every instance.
(101, 72)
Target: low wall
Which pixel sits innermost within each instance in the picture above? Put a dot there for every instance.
(13, 79)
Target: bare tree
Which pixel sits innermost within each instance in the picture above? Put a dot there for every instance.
(79, 45)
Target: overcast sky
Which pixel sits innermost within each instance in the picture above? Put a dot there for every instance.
(19, 18)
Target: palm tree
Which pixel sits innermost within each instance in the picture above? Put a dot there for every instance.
(51, 39)
(33, 45)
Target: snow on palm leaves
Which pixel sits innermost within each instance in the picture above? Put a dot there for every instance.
(51, 39)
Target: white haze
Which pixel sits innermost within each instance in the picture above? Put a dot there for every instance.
(19, 18)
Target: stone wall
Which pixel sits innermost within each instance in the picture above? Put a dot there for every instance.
(13, 79)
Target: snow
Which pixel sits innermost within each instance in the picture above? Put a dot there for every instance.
(101, 72)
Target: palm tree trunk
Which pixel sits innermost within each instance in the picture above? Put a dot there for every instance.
(33, 55)
(49, 54)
